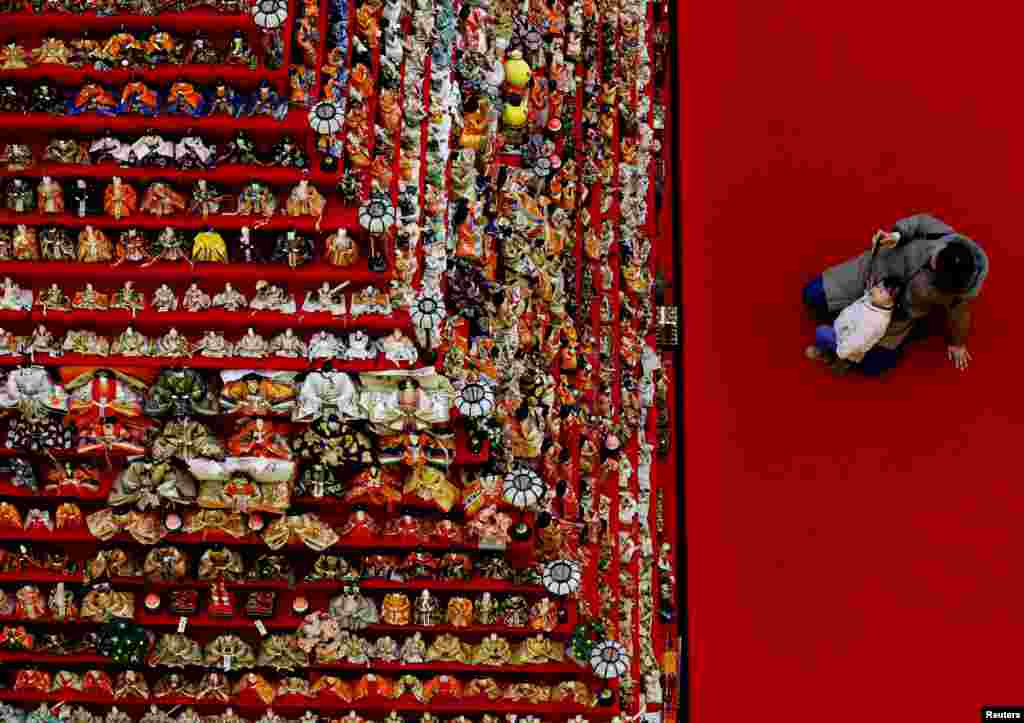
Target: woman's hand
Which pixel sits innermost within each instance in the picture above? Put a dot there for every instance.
(959, 356)
(884, 239)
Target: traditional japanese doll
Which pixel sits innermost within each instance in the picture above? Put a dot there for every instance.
(148, 484)
(151, 149)
(56, 244)
(137, 97)
(250, 393)
(50, 196)
(98, 394)
(93, 98)
(41, 404)
(292, 249)
(325, 392)
(256, 199)
(305, 200)
(405, 401)
(341, 249)
(20, 196)
(184, 99)
(259, 438)
(224, 100)
(191, 152)
(162, 200)
(94, 246)
(266, 101)
(181, 392)
(186, 439)
(120, 199)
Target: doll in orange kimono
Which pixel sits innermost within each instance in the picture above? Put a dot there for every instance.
(162, 200)
(95, 394)
(259, 438)
(120, 199)
(112, 437)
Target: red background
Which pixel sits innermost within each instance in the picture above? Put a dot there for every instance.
(854, 548)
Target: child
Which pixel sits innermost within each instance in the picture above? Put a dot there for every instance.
(859, 326)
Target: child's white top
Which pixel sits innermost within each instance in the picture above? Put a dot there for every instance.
(859, 327)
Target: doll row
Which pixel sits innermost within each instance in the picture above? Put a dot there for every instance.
(121, 200)
(395, 347)
(126, 50)
(124, 565)
(140, 98)
(152, 150)
(58, 9)
(79, 714)
(93, 245)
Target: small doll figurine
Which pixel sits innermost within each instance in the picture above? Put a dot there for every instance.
(45, 99)
(94, 246)
(305, 200)
(13, 297)
(119, 199)
(93, 98)
(195, 299)
(209, 246)
(160, 48)
(137, 97)
(66, 150)
(56, 244)
(162, 200)
(17, 156)
(172, 344)
(168, 246)
(130, 343)
(184, 99)
(201, 51)
(271, 297)
(206, 199)
(230, 299)
(105, 149)
(150, 149)
(252, 345)
(20, 197)
(42, 341)
(246, 250)
(88, 299)
(13, 57)
(80, 200)
(326, 298)
(129, 298)
(293, 250)
(223, 100)
(287, 154)
(214, 345)
(286, 344)
(192, 152)
(53, 298)
(50, 196)
(266, 101)
(164, 299)
(12, 100)
(239, 52)
(239, 150)
(256, 200)
(131, 246)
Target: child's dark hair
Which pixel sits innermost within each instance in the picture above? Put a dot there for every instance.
(895, 285)
(954, 267)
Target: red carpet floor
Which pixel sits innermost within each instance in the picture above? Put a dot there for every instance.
(855, 546)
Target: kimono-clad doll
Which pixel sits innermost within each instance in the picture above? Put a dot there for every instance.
(266, 101)
(181, 393)
(192, 152)
(246, 250)
(132, 247)
(93, 98)
(162, 200)
(341, 249)
(41, 404)
(137, 97)
(170, 246)
(88, 299)
(185, 439)
(209, 246)
(148, 484)
(105, 149)
(119, 199)
(95, 394)
(405, 401)
(206, 199)
(151, 149)
(66, 150)
(222, 99)
(25, 243)
(292, 249)
(161, 48)
(20, 197)
(45, 99)
(305, 200)
(94, 246)
(201, 51)
(80, 199)
(110, 436)
(239, 150)
(259, 438)
(256, 199)
(184, 99)
(286, 153)
(324, 392)
(17, 156)
(288, 344)
(257, 394)
(50, 196)
(56, 244)
(13, 297)
(128, 298)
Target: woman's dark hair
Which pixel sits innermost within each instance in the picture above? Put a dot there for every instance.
(954, 267)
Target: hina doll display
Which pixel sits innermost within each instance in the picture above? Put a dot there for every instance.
(256, 199)
(67, 151)
(326, 298)
(80, 199)
(266, 101)
(132, 247)
(110, 436)
(287, 344)
(169, 245)
(184, 439)
(193, 153)
(45, 98)
(137, 97)
(17, 156)
(50, 196)
(239, 52)
(195, 299)
(246, 250)
(305, 200)
(130, 343)
(119, 199)
(230, 299)
(201, 51)
(223, 100)
(271, 297)
(13, 297)
(172, 344)
(128, 298)
(286, 153)
(252, 345)
(292, 249)
(105, 149)
(25, 243)
(239, 150)
(165, 299)
(259, 438)
(148, 484)
(181, 393)
(162, 200)
(53, 298)
(151, 149)
(206, 199)
(94, 246)
(87, 342)
(20, 196)
(213, 344)
(325, 392)
(92, 98)
(88, 299)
